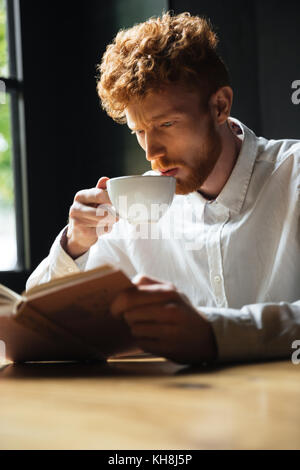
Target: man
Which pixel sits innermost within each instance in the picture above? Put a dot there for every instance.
(231, 291)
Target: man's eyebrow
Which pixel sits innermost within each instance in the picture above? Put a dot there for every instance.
(172, 112)
(157, 117)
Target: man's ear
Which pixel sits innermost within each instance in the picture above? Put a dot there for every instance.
(220, 104)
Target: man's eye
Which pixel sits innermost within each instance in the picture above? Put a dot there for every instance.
(168, 124)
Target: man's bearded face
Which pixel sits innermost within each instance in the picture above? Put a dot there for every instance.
(176, 133)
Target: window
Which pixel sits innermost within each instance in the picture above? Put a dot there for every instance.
(14, 255)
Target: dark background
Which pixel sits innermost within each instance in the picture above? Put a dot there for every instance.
(70, 140)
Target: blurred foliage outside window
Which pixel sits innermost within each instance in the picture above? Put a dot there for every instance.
(7, 213)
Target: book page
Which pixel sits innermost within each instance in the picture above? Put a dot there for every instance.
(70, 279)
(8, 296)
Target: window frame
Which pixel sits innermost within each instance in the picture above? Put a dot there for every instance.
(14, 88)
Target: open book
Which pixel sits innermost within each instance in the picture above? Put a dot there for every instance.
(65, 319)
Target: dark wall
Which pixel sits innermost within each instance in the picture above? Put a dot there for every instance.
(260, 43)
(278, 24)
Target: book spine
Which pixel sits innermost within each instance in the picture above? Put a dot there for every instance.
(35, 321)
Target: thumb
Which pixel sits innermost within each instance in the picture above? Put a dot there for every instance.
(142, 280)
(102, 182)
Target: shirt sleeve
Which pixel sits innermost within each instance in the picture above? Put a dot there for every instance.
(255, 332)
(107, 250)
(57, 264)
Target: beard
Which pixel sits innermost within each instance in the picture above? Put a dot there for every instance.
(200, 167)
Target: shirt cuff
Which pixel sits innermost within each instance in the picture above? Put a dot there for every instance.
(256, 331)
(82, 260)
(62, 263)
(237, 336)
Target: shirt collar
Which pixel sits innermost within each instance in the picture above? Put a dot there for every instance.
(234, 192)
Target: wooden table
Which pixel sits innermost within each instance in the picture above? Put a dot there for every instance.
(149, 403)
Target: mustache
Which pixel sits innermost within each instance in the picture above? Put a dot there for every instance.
(165, 165)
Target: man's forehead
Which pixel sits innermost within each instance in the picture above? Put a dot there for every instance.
(160, 105)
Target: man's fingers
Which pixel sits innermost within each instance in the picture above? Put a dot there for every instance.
(102, 182)
(91, 214)
(92, 196)
(107, 211)
(143, 295)
(142, 280)
(159, 313)
(79, 208)
(151, 331)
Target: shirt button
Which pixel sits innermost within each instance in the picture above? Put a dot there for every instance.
(217, 279)
(70, 270)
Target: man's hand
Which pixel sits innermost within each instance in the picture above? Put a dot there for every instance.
(164, 322)
(89, 217)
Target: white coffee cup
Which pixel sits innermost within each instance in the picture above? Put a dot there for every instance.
(141, 198)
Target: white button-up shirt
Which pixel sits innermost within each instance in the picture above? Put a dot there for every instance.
(237, 258)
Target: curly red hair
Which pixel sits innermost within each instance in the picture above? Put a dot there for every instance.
(168, 49)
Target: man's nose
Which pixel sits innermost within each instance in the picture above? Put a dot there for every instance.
(154, 149)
